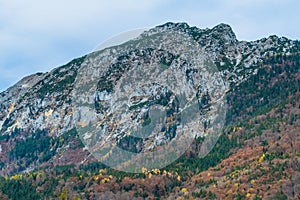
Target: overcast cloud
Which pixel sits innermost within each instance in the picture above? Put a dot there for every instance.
(40, 35)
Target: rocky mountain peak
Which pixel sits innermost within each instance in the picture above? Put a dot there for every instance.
(221, 31)
(172, 25)
(44, 101)
(33, 96)
(224, 31)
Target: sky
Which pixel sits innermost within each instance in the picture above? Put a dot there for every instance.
(37, 36)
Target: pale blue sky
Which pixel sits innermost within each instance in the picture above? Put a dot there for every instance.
(40, 35)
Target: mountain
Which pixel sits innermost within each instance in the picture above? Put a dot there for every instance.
(44, 144)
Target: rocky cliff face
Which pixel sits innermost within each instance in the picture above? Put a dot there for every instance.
(198, 57)
(42, 101)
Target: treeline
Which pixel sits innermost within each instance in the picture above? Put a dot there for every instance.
(275, 80)
(18, 189)
(39, 146)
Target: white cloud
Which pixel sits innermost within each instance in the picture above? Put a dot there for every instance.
(39, 35)
(66, 14)
(250, 19)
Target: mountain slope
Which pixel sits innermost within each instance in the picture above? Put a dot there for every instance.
(262, 103)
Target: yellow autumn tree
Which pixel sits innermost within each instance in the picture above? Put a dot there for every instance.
(63, 194)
